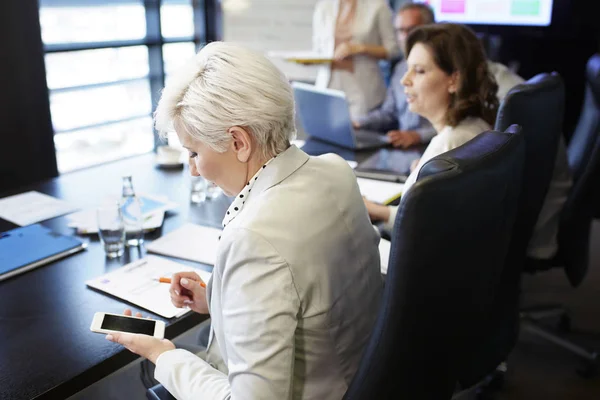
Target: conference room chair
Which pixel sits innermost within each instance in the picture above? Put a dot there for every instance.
(449, 242)
(583, 155)
(538, 107)
(159, 392)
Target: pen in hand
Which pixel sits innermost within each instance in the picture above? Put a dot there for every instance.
(168, 280)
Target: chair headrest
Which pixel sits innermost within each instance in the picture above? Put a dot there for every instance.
(593, 76)
(482, 150)
(541, 91)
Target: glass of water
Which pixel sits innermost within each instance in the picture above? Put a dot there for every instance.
(202, 189)
(111, 229)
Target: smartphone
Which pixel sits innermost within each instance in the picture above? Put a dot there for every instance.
(108, 323)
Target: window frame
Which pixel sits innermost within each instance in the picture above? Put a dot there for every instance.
(205, 30)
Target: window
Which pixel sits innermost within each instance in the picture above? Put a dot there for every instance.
(106, 63)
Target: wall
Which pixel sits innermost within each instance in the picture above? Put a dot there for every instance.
(26, 145)
(272, 25)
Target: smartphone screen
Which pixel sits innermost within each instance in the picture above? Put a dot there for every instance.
(125, 324)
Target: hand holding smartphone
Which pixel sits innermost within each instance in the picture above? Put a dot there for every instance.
(109, 323)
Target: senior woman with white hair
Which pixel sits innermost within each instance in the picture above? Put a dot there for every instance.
(296, 286)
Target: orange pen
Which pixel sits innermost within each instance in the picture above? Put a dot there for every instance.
(168, 280)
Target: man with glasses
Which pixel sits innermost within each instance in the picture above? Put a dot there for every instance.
(403, 127)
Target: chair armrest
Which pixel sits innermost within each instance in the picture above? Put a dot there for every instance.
(159, 392)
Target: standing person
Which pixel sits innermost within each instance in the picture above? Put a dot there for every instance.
(357, 33)
(448, 83)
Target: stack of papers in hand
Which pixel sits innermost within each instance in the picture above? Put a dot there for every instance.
(382, 192)
(303, 57)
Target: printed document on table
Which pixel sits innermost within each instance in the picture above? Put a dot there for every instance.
(189, 242)
(385, 246)
(138, 284)
(382, 192)
(86, 221)
(32, 207)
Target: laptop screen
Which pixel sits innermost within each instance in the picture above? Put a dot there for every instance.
(324, 114)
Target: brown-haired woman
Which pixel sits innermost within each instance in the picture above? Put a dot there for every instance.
(447, 82)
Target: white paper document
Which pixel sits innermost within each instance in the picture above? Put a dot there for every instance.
(189, 242)
(152, 204)
(138, 284)
(379, 191)
(31, 207)
(86, 221)
(385, 246)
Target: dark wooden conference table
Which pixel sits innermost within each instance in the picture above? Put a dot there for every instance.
(46, 348)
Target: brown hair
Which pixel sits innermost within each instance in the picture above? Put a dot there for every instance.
(456, 48)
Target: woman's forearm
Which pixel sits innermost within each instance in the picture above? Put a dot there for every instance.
(378, 52)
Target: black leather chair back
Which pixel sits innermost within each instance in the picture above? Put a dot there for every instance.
(449, 242)
(584, 160)
(538, 107)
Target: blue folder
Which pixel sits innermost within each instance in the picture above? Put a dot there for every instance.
(32, 246)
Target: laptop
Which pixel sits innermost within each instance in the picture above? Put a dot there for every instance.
(23, 249)
(325, 116)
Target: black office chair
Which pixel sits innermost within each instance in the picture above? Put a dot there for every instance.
(576, 218)
(537, 106)
(159, 392)
(449, 242)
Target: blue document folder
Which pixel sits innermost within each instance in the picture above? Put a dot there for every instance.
(28, 247)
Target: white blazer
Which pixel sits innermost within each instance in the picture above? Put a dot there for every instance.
(294, 292)
(372, 25)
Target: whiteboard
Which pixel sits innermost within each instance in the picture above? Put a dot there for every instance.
(272, 25)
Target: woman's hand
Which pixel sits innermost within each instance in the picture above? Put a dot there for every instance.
(403, 139)
(144, 345)
(187, 290)
(377, 212)
(346, 50)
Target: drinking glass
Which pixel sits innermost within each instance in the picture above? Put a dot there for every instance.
(202, 189)
(111, 229)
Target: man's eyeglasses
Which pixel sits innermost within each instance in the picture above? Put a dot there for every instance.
(405, 30)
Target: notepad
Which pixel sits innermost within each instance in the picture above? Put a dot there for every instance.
(32, 246)
(382, 192)
(32, 207)
(189, 242)
(137, 283)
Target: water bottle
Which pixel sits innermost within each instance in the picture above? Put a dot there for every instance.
(131, 208)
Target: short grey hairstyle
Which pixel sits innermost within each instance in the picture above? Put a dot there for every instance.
(226, 85)
(427, 15)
